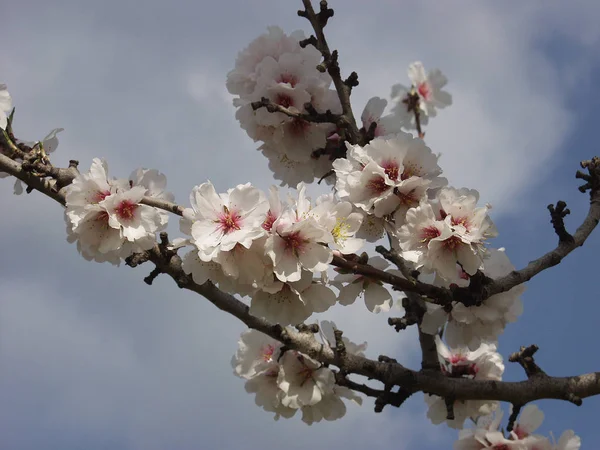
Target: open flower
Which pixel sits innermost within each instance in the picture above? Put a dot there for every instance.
(303, 380)
(220, 222)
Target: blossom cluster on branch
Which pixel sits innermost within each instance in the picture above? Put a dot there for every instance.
(277, 252)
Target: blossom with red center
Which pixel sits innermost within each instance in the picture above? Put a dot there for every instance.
(220, 222)
(428, 87)
(296, 243)
(256, 353)
(424, 90)
(137, 221)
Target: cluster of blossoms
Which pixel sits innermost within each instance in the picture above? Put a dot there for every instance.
(105, 216)
(440, 230)
(486, 434)
(276, 67)
(275, 252)
(287, 381)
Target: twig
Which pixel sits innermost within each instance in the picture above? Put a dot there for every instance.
(330, 64)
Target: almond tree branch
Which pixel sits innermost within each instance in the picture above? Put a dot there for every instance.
(390, 373)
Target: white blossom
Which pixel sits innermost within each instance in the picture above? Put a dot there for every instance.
(373, 112)
(295, 244)
(303, 380)
(220, 222)
(429, 88)
(256, 352)
(426, 90)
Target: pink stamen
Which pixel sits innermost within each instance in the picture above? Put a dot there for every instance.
(229, 221)
(284, 100)
(99, 196)
(126, 209)
(452, 243)
(268, 223)
(461, 221)
(391, 169)
(429, 233)
(408, 199)
(267, 353)
(294, 243)
(520, 432)
(425, 90)
(377, 185)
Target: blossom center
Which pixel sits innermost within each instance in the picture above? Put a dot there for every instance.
(99, 196)
(461, 221)
(408, 199)
(298, 127)
(284, 100)
(520, 432)
(429, 233)
(267, 353)
(126, 209)
(391, 169)
(452, 243)
(102, 217)
(268, 223)
(424, 90)
(294, 242)
(229, 221)
(377, 185)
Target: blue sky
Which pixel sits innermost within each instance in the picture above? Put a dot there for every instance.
(90, 357)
